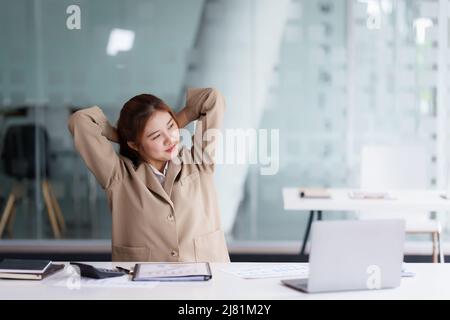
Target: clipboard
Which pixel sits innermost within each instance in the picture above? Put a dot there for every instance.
(177, 271)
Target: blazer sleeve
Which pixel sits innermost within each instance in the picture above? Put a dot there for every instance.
(92, 134)
(207, 105)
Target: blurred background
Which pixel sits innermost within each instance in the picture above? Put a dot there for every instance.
(333, 76)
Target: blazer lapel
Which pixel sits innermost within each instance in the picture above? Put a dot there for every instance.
(172, 172)
(144, 172)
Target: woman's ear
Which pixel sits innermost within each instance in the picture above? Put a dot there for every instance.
(133, 146)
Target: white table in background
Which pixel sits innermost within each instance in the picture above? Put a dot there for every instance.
(414, 200)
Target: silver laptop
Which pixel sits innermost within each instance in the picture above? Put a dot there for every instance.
(354, 255)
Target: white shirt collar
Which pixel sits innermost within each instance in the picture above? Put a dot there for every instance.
(159, 173)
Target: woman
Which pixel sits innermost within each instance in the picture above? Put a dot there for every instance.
(164, 205)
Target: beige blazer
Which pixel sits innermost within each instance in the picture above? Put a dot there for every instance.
(176, 222)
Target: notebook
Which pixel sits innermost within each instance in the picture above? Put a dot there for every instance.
(308, 193)
(172, 272)
(24, 266)
(27, 269)
(51, 269)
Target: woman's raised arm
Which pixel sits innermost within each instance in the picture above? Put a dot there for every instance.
(206, 105)
(92, 135)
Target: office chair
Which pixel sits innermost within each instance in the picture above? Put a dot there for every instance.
(21, 163)
(396, 168)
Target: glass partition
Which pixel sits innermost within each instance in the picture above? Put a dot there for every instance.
(317, 80)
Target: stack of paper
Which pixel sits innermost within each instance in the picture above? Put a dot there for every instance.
(268, 271)
(365, 195)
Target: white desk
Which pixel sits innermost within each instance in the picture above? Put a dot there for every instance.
(415, 200)
(405, 200)
(430, 282)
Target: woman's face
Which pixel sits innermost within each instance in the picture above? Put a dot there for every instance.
(160, 139)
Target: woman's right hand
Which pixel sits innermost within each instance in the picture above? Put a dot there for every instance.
(110, 133)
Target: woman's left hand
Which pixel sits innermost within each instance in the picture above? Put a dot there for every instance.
(182, 119)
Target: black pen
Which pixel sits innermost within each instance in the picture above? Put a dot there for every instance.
(124, 270)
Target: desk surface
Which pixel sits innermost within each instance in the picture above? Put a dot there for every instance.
(430, 282)
(416, 200)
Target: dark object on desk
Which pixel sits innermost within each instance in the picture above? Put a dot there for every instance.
(445, 196)
(89, 271)
(28, 269)
(172, 272)
(307, 193)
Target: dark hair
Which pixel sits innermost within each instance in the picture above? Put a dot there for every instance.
(132, 120)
